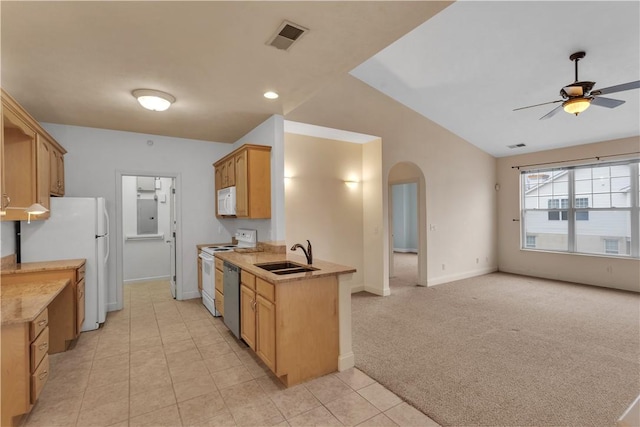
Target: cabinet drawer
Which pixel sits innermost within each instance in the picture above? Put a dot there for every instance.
(266, 289)
(38, 324)
(219, 280)
(39, 348)
(248, 279)
(219, 303)
(39, 378)
(79, 307)
(80, 273)
(219, 264)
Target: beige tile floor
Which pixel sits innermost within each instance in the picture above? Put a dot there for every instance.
(162, 362)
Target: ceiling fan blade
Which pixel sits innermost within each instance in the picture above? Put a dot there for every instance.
(551, 113)
(606, 102)
(617, 88)
(537, 105)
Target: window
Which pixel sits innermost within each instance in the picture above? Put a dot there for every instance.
(603, 219)
(531, 241)
(611, 246)
(558, 204)
(582, 203)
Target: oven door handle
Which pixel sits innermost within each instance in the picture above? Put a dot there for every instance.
(206, 257)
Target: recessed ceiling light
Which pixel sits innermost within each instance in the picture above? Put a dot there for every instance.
(271, 95)
(154, 100)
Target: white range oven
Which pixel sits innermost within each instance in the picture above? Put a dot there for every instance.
(209, 275)
(246, 239)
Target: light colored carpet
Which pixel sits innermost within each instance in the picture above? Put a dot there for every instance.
(503, 350)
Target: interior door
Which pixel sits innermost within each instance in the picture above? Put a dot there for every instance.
(172, 238)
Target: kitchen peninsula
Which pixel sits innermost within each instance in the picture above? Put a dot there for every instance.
(299, 324)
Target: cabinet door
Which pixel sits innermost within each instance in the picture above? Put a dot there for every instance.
(56, 173)
(61, 174)
(266, 331)
(79, 306)
(242, 200)
(199, 274)
(218, 185)
(223, 174)
(20, 165)
(43, 174)
(231, 173)
(248, 316)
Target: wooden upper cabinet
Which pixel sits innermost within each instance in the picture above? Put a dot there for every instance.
(231, 173)
(56, 173)
(240, 160)
(43, 158)
(250, 166)
(19, 168)
(26, 158)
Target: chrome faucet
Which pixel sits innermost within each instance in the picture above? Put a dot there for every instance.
(307, 252)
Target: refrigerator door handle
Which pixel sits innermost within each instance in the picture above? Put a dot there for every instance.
(106, 218)
(108, 243)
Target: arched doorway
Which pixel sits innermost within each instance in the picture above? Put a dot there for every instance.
(407, 225)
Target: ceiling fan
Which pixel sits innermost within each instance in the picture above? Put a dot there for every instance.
(578, 96)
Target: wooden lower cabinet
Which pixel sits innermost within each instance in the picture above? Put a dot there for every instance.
(199, 272)
(248, 316)
(25, 366)
(292, 326)
(266, 331)
(69, 318)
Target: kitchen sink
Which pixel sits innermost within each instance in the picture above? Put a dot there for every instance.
(285, 267)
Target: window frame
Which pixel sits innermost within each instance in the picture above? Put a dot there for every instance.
(577, 212)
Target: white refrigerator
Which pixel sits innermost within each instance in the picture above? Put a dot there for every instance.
(77, 228)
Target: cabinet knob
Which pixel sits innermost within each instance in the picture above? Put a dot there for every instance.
(42, 322)
(43, 375)
(8, 200)
(43, 345)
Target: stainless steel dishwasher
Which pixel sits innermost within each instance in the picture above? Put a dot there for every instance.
(231, 284)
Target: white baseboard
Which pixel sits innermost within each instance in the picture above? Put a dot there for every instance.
(371, 290)
(144, 279)
(346, 361)
(358, 288)
(459, 276)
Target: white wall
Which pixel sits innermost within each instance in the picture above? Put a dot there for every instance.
(145, 259)
(612, 272)
(7, 238)
(460, 178)
(94, 158)
(320, 206)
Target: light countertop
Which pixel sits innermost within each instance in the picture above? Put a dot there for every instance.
(246, 262)
(23, 302)
(30, 267)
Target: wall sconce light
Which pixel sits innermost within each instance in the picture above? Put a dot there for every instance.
(35, 209)
(153, 100)
(351, 183)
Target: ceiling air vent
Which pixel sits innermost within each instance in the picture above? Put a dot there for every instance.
(286, 35)
(517, 145)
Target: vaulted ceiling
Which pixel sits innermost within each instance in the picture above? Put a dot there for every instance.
(465, 66)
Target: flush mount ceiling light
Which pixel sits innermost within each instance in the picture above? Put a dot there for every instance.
(271, 95)
(154, 100)
(576, 105)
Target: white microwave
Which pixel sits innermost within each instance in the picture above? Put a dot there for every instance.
(227, 201)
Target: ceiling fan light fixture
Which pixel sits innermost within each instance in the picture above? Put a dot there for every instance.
(154, 100)
(576, 105)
